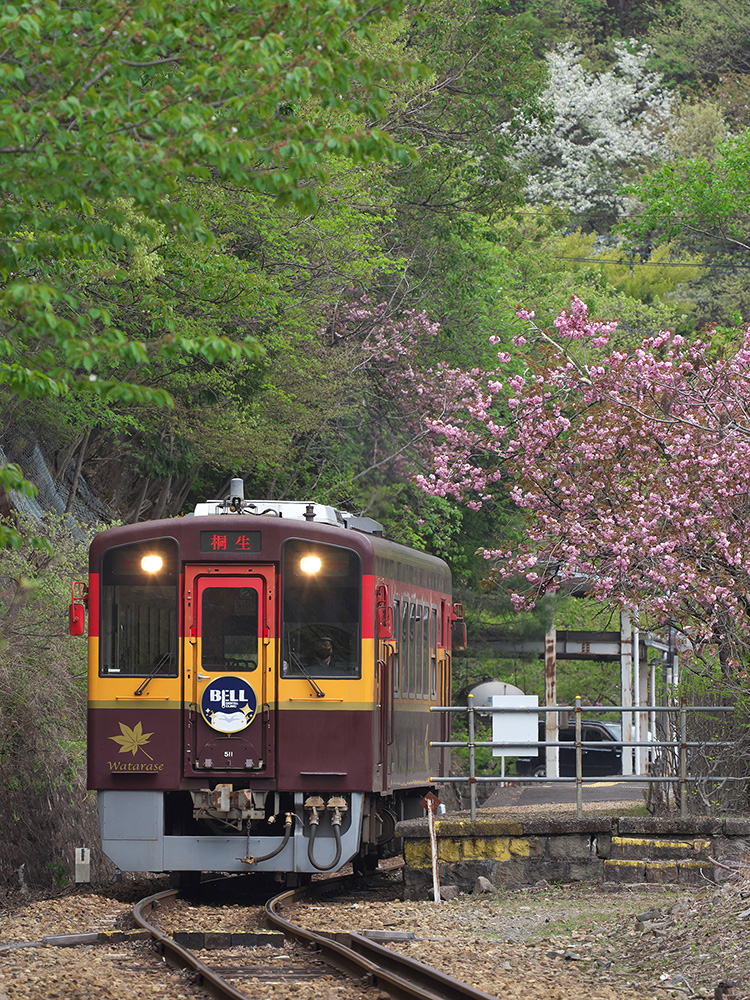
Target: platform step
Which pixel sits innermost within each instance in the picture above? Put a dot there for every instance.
(675, 872)
(660, 848)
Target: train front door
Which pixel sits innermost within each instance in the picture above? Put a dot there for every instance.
(230, 685)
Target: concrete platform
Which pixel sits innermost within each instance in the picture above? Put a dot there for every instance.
(521, 849)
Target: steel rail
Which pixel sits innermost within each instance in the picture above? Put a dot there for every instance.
(398, 975)
(179, 957)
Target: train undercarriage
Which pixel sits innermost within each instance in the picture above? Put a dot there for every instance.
(242, 830)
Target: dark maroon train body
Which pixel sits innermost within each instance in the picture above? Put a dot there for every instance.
(261, 676)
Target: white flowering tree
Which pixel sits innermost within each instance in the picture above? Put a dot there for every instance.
(606, 127)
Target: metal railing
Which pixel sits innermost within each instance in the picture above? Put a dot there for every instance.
(680, 743)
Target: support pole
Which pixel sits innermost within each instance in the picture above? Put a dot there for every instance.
(652, 700)
(626, 689)
(472, 761)
(683, 759)
(550, 699)
(644, 718)
(579, 760)
(433, 848)
(636, 755)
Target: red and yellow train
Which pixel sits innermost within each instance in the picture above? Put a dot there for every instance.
(261, 676)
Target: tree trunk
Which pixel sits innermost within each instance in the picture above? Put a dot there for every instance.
(63, 460)
(135, 510)
(161, 502)
(180, 496)
(77, 473)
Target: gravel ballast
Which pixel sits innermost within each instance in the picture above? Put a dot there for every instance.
(551, 942)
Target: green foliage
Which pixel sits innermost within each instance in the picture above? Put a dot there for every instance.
(539, 262)
(602, 20)
(704, 202)
(540, 20)
(471, 255)
(262, 286)
(483, 88)
(12, 480)
(59, 872)
(482, 92)
(35, 586)
(269, 275)
(199, 289)
(698, 196)
(698, 40)
(107, 114)
(658, 275)
(591, 24)
(431, 524)
(163, 92)
(698, 127)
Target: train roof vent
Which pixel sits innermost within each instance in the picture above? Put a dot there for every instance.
(293, 510)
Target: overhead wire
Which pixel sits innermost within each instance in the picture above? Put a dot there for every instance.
(649, 263)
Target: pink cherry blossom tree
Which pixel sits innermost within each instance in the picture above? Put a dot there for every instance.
(631, 468)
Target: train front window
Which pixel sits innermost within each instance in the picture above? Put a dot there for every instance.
(139, 610)
(321, 588)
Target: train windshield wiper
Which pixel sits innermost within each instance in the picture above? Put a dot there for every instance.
(163, 661)
(298, 665)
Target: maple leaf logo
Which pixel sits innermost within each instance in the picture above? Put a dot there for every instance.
(132, 739)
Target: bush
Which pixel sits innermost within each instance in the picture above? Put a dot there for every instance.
(47, 811)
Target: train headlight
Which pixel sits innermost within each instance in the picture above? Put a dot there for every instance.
(310, 564)
(151, 563)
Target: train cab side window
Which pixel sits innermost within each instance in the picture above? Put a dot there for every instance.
(433, 653)
(404, 650)
(321, 611)
(140, 609)
(396, 659)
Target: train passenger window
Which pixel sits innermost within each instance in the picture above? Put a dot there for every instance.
(140, 609)
(405, 650)
(321, 602)
(229, 628)
(419, 623)
(411, 669)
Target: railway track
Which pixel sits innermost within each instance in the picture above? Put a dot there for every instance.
(364, 963)
(543, 942)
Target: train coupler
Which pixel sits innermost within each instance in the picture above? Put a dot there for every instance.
(337, 805)
(227, 805)
(315, 805)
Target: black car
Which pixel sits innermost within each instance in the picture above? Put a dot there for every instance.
(601, 759)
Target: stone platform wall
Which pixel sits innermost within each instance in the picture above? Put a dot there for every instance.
(523, 851)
